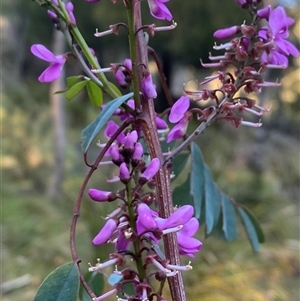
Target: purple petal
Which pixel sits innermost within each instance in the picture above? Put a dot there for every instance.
(99, 195)
(190, 228)
(160, 123)
(278, 20)
(148, 88)
(105, 233)
(159, 11)
(43, 53)
(122, 243)
(124, 173)
(145, 216)
(179, 130)
(226, 33)
(188, 245)
(179, 217)
(151, 170)
(179, 108)
(51, 73)
(138, 151)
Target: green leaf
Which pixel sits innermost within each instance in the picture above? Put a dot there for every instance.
(91, 131)
(115, 88)
(61, 285)
(229, 218)
(72, 80)
(179, 164)
(252, 228)
(197, 178)
(181, 194)
(96, 282)
(217, 230)
(95, 94)
(212, 201)
(75, 89)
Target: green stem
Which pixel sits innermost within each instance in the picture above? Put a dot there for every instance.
(92, 60)
(136, 244)
(133, 54)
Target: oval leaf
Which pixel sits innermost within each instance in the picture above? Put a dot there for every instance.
(75, 89)
(95, 94)
(250, 229)
(115, 88)
(91, 131)
(197, 178)
(72, 80)
(212, 201)
(61, 285)
(229, 219)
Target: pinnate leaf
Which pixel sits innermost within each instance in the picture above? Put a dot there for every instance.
(61, 285)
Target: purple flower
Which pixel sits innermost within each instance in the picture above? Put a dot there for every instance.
(264, 12)
(69, 8)
(148, 88)
(159, 11)
(150, 171)
(56, 63)
(179, 108)
(277, 32)
(110, 129)
(92, 1)
(180, 217)
(187, 244)
(116, 157)
(226, 33)
(179, 130)
(145, 216)
(130, 140)
(105, 233)
(101, 195)
(138, 152)
(124, 173)
(122, 75)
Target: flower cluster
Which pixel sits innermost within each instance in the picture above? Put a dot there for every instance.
(250, 52)
(134, 227)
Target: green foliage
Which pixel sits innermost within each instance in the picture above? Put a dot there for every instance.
(61, 285)
(95, 94)
(96, 282)
(91, 131)
(212, 205)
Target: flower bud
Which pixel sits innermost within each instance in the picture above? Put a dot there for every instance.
(150, 171)
(148, 88)
(105, 233)
(130, 141)
(124, 173)
(101, 195)
(116, 157)
(137, 154)
(226, 33)
(264, 13)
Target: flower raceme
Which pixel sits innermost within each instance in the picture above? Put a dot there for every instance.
(56, 63)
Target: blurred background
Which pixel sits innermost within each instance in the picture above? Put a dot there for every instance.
(42, 164)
